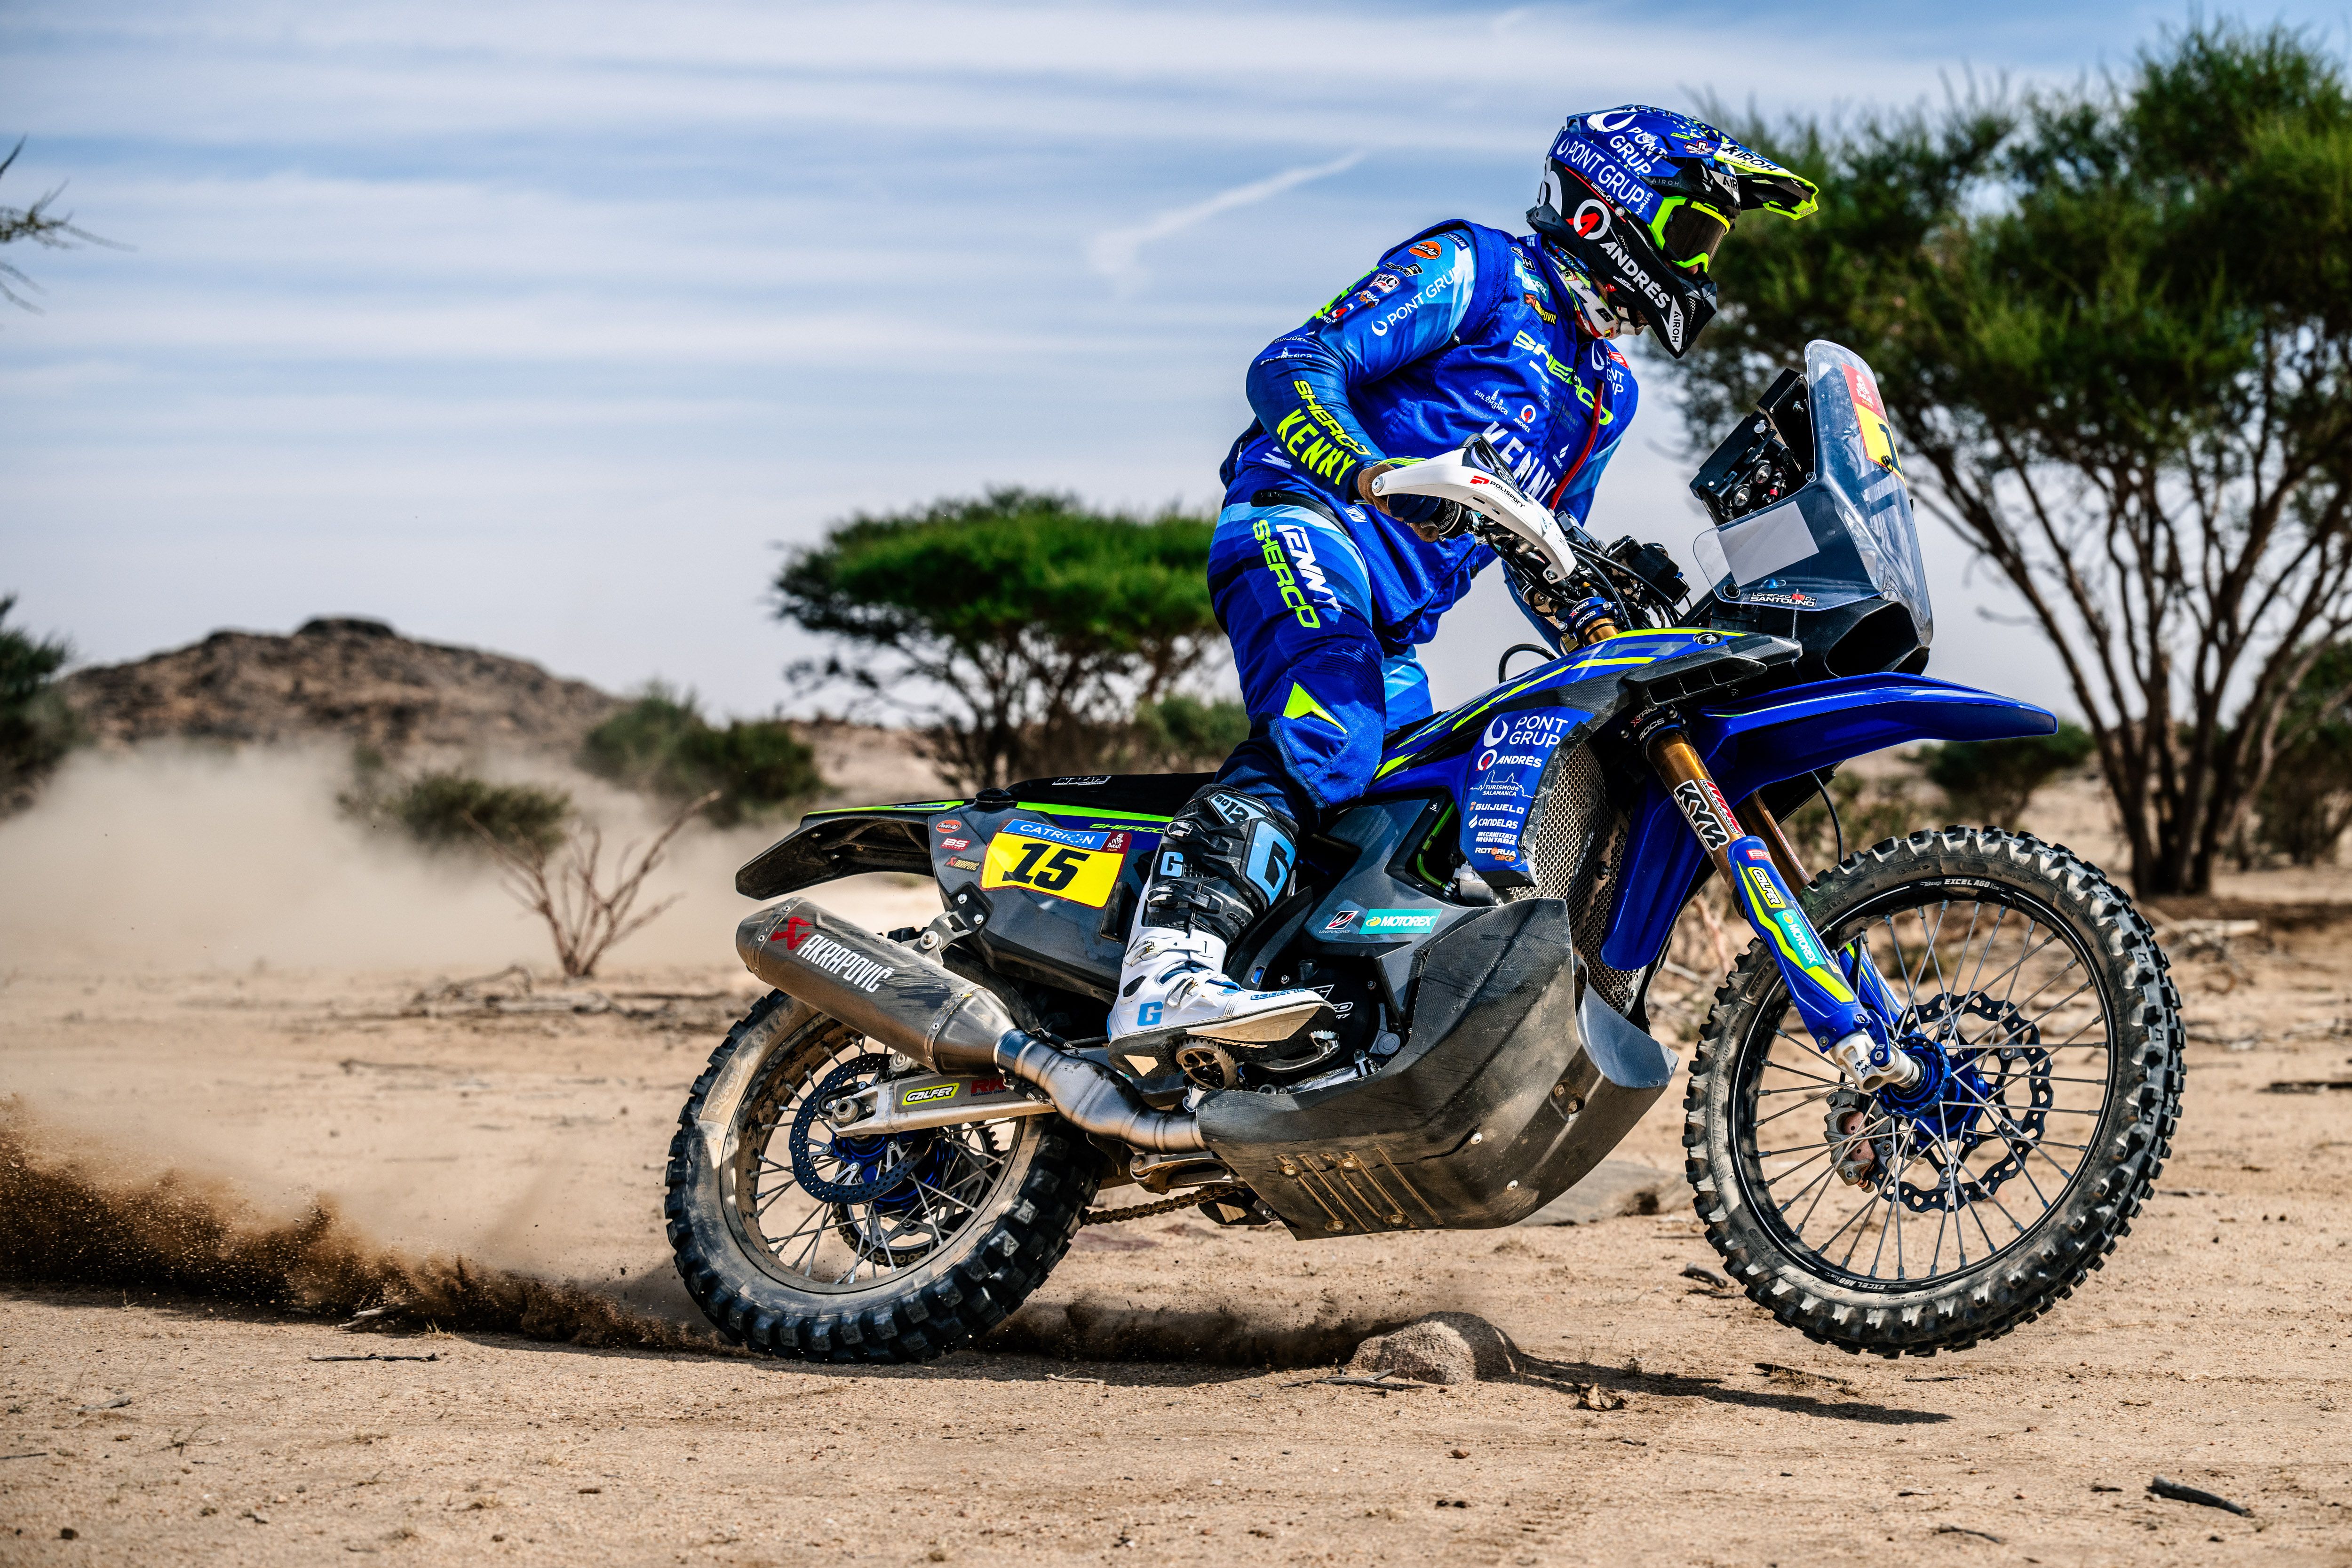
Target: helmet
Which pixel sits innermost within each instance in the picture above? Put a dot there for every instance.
(1638, 200)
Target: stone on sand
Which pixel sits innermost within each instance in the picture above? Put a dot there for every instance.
(1451, 1348)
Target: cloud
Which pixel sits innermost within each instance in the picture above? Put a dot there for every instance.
(1117, 253)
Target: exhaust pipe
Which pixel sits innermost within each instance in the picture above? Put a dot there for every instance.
(894, 995)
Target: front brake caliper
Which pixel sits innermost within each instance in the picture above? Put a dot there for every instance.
(1857, 1158)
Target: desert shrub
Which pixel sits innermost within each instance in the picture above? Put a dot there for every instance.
(36, 727)
(441, 811)
(1183, 734)
(662, 744)
(1868, 810)
(1994, 780)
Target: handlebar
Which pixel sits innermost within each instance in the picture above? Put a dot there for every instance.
(1556, 564)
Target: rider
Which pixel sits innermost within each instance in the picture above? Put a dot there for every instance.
(1324, 591)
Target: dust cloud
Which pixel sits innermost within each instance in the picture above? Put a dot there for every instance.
(171, 1232)
(173, 859)
(1090, 1329)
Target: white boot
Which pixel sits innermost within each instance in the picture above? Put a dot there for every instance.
(1173, 983)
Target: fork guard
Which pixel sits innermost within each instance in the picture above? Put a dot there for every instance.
(1504, 1096)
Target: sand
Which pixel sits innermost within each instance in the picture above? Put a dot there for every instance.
(527, 1132)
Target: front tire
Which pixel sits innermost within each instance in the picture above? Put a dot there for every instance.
(2060, 1075)
(908, 1247)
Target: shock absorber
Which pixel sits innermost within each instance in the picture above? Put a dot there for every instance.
(1852, 1033)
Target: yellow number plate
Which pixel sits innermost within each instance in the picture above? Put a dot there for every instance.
(1058, 862)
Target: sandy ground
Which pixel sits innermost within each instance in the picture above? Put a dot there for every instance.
(2214, 1348)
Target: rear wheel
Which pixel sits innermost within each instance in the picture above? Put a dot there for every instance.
(1951, 1213)
(799, 1243)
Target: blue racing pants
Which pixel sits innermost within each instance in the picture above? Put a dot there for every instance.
(1291, 590)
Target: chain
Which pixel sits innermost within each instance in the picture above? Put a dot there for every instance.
(1166, 1205)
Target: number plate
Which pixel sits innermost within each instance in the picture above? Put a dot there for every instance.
(1060, 862)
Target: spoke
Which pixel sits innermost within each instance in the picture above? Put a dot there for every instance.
(1895, 1215)
(1869, 1202)
(1789, 1109)
(1812, 1077)
(1771, 1182)
(2000, 918)
(1821, 1181)
(1942, 985)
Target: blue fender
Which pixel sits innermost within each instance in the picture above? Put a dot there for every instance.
(1761, 741)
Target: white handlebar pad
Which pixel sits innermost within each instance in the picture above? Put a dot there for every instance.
(1455, 477)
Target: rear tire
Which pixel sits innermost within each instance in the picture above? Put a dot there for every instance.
(1773, 1245)
(731, 1172)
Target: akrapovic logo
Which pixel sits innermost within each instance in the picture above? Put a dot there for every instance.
(812, 947)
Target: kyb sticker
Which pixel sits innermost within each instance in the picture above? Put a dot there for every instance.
(1704, 805)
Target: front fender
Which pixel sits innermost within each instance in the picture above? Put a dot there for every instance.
(1784, 735)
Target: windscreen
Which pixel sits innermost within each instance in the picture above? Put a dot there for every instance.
(1848, 535)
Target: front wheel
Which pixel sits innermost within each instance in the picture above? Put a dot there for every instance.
(801, 1243)
(1951, 1212)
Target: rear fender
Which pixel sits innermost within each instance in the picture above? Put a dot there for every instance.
(833, 844)
(1785, 734)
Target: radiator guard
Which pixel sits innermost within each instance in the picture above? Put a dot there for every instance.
(1501, 1099)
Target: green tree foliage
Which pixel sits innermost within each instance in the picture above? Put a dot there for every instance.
(36, 727)
(2115, 326)
(1034, 627)
(1185, 733)
(441, 811)
(2306, 802)
(662, 744)
(1993, 781)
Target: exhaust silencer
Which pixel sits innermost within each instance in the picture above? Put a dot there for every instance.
(900, 999)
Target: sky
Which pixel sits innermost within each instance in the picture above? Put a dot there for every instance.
(544, 328)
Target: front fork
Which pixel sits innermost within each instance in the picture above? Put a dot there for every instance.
(1843, 1000)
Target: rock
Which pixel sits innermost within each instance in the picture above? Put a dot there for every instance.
(340, 678)
(1449, 1348)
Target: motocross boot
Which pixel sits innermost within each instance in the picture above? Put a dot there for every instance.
(1223, 859)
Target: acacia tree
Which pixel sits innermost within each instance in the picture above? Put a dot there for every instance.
(35, 225)
(1028, 629)
(2116, 326)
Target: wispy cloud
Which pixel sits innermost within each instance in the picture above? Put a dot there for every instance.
(1118, 254)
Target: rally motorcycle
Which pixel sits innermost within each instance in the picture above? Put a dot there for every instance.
(1926, 1102)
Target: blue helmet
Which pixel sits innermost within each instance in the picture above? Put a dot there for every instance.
(1639, 199)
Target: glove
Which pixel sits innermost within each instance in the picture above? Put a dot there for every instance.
(1416, 511)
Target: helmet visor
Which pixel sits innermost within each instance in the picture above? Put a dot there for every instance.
(1689, 235)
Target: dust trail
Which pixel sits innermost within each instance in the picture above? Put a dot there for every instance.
(62, 1225)
(171, 858)
(1089, 1329)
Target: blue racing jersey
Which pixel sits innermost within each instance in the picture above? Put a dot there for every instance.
(1462, 330)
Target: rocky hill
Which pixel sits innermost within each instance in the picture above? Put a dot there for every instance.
(354, 680)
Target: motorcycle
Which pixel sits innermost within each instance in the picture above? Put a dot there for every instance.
(1928, 1100)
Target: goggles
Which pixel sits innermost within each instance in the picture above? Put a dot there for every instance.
(1689, 234)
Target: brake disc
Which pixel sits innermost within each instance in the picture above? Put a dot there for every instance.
(877, 1163)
